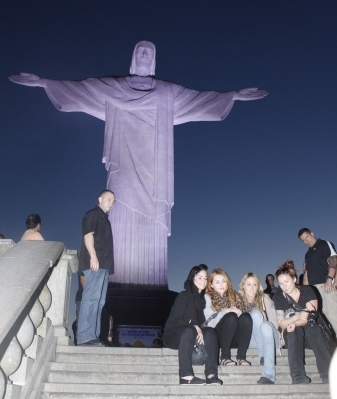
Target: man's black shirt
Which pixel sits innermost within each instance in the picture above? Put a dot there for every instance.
(96, 221)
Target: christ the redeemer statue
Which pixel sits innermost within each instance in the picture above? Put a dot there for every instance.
(139, 113)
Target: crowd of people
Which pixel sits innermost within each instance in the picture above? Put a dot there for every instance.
(210, 313)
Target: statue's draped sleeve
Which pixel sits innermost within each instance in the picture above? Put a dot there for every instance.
(194, 106)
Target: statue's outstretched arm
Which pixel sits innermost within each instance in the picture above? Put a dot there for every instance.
(28, 79)
(250, 94)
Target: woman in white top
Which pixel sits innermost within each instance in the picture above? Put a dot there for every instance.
(229, 318)
(265, 335)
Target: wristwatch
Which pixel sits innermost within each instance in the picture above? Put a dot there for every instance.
(331, 278)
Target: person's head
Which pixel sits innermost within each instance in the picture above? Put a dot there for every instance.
(143, 59)
(106, 200)
(2, 237)
(270, 280)
(287, 276)
(198, 277)
(307, 236)
(218, 281)
(251, 289)
(33, 221)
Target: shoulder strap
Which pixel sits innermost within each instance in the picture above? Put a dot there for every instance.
(292, 303)
(204, 324)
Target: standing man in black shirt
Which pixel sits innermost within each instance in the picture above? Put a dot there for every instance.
(96, 263)
(320, 271)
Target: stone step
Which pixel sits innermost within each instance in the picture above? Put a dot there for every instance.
(140, 378)
(230, 391)
(146, 373)
(164, 369)
(145, 356)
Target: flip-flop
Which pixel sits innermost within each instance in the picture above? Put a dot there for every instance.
(227, 362)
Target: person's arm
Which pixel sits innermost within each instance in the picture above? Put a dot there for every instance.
(305, 278)
(312, 305)
(89, 243)
(290, 323)
(332, 261)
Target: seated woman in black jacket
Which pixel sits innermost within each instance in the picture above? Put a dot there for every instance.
(184, 326)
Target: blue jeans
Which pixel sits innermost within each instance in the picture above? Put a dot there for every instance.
(265, 338)
(93, 300)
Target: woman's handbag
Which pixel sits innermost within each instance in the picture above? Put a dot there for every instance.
(199, 354)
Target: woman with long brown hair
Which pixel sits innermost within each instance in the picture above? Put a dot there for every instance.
(226, 311)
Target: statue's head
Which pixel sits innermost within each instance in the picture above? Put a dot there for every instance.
(143, 59)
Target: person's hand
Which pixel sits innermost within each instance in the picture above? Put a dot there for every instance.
(291, 327)
(233, 309)
(27, 79)
(200, 336)
(94, 264)
(250, 94)
(328, 286)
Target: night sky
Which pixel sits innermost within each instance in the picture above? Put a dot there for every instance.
(243, 186)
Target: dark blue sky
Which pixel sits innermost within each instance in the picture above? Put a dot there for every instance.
(244, 186)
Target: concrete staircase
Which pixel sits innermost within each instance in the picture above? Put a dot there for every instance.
(130, 373)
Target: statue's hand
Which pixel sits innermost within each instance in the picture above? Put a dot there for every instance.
(27, 79)
(250, 94)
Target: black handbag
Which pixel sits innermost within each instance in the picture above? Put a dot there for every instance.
(199, 354)
(316, 318)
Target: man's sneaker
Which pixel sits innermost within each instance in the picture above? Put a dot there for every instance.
(193, 381)
(265, 380)
(303, 380)
(213, 381)
(93, 342)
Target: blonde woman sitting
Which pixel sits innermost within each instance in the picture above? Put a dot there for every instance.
(231, 321)
(265, 336)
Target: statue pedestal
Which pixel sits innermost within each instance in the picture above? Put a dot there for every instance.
(140, 305)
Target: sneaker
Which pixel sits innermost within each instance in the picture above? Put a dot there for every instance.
(93, 342)
(325, 380)
(213, 381)
(193, 381)
(265, 380)
(303, 380)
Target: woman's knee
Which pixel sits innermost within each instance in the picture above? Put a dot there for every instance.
(256, 316)
(209, 333)
(245, 320)
(189, 333)
(267, 330)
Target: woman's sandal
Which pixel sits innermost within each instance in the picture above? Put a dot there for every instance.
(227, 362)
(244, 362)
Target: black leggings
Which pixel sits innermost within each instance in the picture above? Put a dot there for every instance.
(186, 343)
(234, 332)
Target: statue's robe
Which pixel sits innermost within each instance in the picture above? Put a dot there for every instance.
(138, 155)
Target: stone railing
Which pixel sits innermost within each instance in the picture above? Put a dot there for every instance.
(34, 304)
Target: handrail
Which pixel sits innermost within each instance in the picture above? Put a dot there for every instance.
(34, 305)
